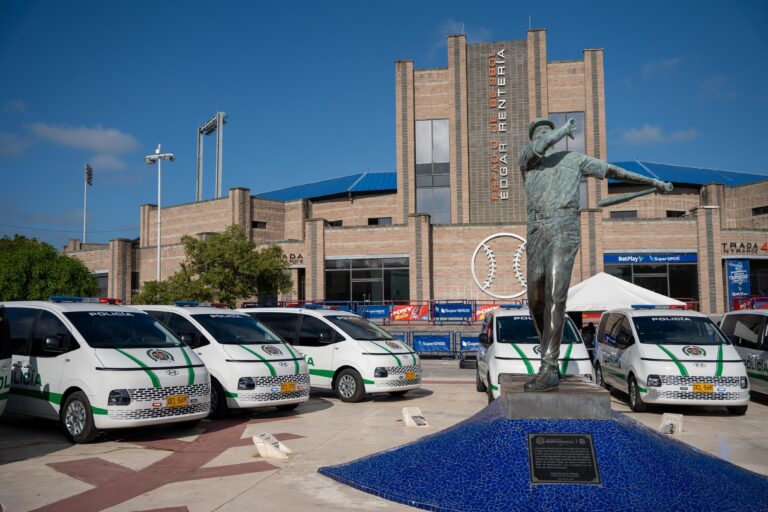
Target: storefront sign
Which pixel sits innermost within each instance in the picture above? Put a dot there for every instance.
(497, 123)
(293, 259)
(683, 257)
(744, 248)
(737, 278)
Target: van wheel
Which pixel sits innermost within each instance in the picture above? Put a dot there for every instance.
(287, 407)
(737, 410)
(599, 379)
(489, 390)
(479, 383)
(219, 407)
(635, 400)
(349, 386)
(77, 419)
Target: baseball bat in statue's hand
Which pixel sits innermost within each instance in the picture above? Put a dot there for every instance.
(661, 186)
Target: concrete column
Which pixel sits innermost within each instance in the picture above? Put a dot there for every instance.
(713, 194)
(405, 140)
(420, 256)
(241, 212)
(710, 265)
(147, 225)
(119, 281)
(315, 258)
(538, 91)
(594, 118)
(457, 70)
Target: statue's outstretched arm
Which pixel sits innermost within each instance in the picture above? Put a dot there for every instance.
(542, 144)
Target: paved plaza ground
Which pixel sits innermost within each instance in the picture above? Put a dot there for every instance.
(215, 466)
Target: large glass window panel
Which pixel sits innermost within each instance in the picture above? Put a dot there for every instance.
(331, 264)
(683, 282)
(441, 180)
(337, 285)
(621, 271)
(424, 201)
(395, 262)
(367, 291)
(423, 170)
(566, 143)
(366, 274)
(366, 263)
(423, 142)
(656, 284)
(440, 140)
(441, 168)
(396, 284)
(424, 181)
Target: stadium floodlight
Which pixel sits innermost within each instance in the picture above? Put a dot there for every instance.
(150, 160)
(88, 175)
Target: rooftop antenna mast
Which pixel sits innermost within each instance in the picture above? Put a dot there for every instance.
(215, 124)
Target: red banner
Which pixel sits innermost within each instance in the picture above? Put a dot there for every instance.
(408, 313)
(483, 309)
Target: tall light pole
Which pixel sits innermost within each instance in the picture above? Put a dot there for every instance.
(88, 175)
(151, 159)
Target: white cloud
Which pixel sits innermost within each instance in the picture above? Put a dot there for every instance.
(660, 67)
(106, 162)
(103, 140)
(718, 88)
(13, 145)
(650, 134)
(14, 106)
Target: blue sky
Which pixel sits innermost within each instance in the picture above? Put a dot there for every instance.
(309, 87)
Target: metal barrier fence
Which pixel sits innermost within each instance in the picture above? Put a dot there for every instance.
(453, 344)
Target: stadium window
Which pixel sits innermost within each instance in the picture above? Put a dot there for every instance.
(760, 210)
(624, 214)
(379, 221)
(257, 224)
(675, 213)
(333, 223)
(433, 182)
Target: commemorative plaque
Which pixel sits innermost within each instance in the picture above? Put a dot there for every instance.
(562, 459)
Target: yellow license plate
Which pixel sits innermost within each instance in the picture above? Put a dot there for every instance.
(176, 400)
(410, 375)
(703, 388)
(287, 387)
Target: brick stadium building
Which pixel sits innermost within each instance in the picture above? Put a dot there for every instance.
(451, 222)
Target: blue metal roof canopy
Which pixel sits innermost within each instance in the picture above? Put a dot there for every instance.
(690, 175)
(356, 183)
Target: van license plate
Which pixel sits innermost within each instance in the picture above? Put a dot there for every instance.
(176, 400)
(699, 387)
(288, 387)
(410, 375)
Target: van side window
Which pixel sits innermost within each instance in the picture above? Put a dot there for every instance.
(20, 322)
(316, 333)
(183, 327)
(744, 330)
(625, 338)
(611, 329)
(5, 335)
(48, 325)
(283, 324)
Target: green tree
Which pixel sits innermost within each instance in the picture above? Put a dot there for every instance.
(33, 270)
(225, 267)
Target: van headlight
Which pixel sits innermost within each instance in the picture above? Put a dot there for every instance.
(743, 382)
(246, 383)
(380, 372)
(119, 397)
(653, 381)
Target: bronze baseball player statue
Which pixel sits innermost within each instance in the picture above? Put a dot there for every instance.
(552, 194)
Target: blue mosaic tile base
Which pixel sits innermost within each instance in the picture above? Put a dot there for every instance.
(481, 464)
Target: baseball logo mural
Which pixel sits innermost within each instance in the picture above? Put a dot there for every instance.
(497, 266)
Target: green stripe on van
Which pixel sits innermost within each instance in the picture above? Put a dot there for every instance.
(295, 357)
(152, 376)
(566, 359)
(719, 367)
(675, 360)
(98, 410)
(190, 370)
(528, 365)
(390, 352)
(271, 368)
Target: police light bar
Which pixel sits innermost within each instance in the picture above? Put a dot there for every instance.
(219, 305)
(643, 306)
(64, 298)
(186, 303)
(511, 306)
(91, 300)
(109, 300)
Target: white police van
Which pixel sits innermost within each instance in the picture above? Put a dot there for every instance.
(669, 356)
(5, 360)
(748, 331)
(345, 353)
(509, 344)
(250, 366)
(99, 366)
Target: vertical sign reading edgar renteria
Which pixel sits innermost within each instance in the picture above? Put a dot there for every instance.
(738, 280)
(497, 124)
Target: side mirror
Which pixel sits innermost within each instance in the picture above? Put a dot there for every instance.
(187, 338)
(325, 337)
(53, 344)
(483, 338)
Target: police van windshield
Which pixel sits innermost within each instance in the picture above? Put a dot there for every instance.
(233, 329)
(520, 329)
(678, 330)
(121, 329)
(359, 328)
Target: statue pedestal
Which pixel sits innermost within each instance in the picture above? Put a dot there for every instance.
(506, 457)
(576, 398)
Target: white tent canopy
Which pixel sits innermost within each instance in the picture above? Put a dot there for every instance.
(602, 292)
